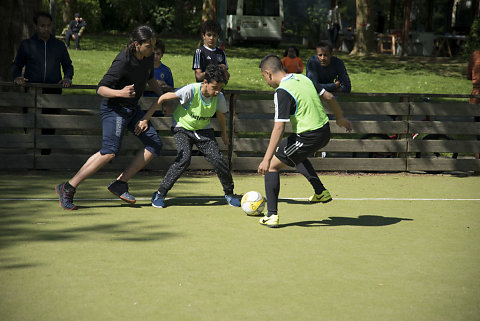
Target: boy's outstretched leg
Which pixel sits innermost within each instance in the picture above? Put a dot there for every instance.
(321, 193)
(272, 189)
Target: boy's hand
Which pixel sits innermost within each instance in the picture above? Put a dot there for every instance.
(141, 126)
(345, 123)
(127, 91)
(263, 167)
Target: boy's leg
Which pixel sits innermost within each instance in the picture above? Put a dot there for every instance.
(184, 154)
(153, 146)
(208, 146)
(77, 41)
(307, 170)
(272, 190)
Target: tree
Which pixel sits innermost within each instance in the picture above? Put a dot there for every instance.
(68, 8)
(16, 22)
(178, 23)
(364, 43)
(407, 8)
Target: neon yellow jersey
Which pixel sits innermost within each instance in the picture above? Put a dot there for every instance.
(309, 114)
(197, 115)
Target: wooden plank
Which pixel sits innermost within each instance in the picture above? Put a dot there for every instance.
(9, 99)
(332, 164)
(445, 127)
(13, 120)
(17, 140)
(368, 126)
(69, 101)
(362, 108)
(443, 164)
(335, 145)
(430, 146)
(68, 121)
(372, 108)
(129, 142)
(445, 109)
(74, 162)
(255, 106)
(17, 161)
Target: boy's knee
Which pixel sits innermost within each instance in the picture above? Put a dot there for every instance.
(155, 149)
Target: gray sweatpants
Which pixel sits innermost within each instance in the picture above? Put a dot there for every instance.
(206, 143)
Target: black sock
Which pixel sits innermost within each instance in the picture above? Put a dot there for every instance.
(307, 170)
(272, 189)
(68, 186)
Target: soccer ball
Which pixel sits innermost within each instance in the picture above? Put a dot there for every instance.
(253, 203)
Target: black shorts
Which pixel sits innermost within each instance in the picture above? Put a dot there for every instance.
(296, 148)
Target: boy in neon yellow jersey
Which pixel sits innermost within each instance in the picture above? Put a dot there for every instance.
(296, 101)
(198, 102)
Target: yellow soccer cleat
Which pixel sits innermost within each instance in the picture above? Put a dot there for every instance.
(323, 197)
(270, 221)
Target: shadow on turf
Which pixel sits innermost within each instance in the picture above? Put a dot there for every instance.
(362, 220)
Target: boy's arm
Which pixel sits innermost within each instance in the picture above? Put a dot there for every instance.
(142, 125)
(275, 138)
(199, 75)
(154, 85)
(223, 127)
(330, 100)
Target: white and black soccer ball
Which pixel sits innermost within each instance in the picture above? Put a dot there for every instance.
(253, 203)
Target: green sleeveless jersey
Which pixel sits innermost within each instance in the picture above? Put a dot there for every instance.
(198, 114)
(309, 114)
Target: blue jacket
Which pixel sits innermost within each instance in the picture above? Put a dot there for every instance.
(324, 77)
(42, 60)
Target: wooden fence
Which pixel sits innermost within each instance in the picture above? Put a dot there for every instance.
(39, 131)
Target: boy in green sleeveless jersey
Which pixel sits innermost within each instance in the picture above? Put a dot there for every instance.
(198, 102)
(296, 101)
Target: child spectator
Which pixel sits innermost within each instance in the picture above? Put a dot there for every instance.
(291, 62)
(161, 72)
(198, 102)
(209, 53)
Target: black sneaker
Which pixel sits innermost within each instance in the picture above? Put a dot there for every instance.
(65, 197)
(120, 189)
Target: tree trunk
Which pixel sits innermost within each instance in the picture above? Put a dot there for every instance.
(68, 8)
(407, 8)
(53, 13)
(364, 42)
(179, 17)
(391, 22)
(16, 22)
(429, 24)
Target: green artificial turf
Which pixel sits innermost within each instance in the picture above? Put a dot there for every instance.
(377, 252)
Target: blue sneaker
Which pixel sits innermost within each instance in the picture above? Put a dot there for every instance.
(233, 200)
(158, 201)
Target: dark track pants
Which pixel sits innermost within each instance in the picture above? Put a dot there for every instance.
(206, 143)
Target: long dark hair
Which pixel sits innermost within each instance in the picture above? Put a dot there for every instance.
(141, 34)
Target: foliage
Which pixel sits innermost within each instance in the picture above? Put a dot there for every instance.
(163, 18)
(473, 40)
(316, 27)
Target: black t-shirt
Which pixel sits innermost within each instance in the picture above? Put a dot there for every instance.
(127, 70)
(205, 56)
(285, 105)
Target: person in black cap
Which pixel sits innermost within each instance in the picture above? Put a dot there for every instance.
(75, 30)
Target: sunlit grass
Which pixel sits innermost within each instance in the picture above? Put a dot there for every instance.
(374, 74)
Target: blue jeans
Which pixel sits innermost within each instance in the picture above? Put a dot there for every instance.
(114, 122)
